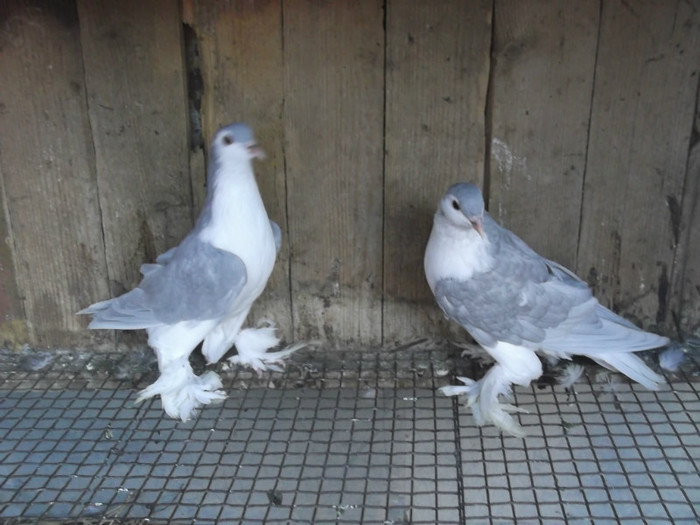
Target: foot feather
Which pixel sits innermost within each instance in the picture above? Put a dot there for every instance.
(252, 345)
(182, 392)
(482, 398)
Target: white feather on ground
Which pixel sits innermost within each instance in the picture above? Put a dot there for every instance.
(672, 358)
(570, 375)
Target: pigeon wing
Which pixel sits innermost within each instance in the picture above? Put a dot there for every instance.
(520, 300)
(277, 234)
(197, 282)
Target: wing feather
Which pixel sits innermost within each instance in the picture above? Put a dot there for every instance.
(525, 299)
(195, 281)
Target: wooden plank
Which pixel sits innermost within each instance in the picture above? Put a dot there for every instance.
(542, 84)
(643, 108)
(437, 77)
(334, 91)
(240, 48)
(137, 106)
(13, 326)
(47, 164)
(685, 298)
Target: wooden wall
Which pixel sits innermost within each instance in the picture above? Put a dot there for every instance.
(580, 120)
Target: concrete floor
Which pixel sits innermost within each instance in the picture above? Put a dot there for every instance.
(340, 437)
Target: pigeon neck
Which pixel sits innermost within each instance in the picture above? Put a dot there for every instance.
(233, 206)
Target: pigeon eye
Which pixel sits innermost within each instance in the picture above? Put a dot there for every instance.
(228, 140)
(455, 205)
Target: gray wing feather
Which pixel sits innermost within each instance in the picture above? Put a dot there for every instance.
(277, 233)
(519, 301)
(164, 257)
(531, 301)
(197, 282)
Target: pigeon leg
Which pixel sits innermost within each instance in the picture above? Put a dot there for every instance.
(482, 398)
(514, 364)
(253, 344)
(181, 391)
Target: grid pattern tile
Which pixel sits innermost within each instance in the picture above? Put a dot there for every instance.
(340, 437)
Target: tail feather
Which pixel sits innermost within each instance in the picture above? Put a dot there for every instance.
(632, 366)
(601, 339)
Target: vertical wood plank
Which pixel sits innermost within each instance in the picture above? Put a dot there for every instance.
(13, 327)
(334, 67)
(542, 85)
(137, 106)
(47, 164)
(240, 46)
(685, 299)
(437, 77)
(645, 88)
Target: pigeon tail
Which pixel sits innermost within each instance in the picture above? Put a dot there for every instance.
(482, 398)
(181, 391)
(631, 366)
(253, 344)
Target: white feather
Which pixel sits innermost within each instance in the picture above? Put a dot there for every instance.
(570, 375)
(468, 252)
(672, 358)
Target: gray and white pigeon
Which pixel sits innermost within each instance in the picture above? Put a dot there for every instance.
(203, 289)
(514, 302)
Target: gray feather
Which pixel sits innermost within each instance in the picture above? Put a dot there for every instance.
(187, 287)
(528, 300)
(277, 233)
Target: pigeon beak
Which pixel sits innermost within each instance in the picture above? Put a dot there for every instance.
(254, 151)
(478, 225)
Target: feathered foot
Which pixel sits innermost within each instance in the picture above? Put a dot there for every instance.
(482, 398)
(182, 392)
(252, 345)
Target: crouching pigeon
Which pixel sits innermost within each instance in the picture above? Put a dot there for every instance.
(514, 302)
(203, 289)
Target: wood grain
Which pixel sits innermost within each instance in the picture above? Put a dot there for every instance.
(334, 95)
(642, 114)
(685, 297)
(48, 169)
(13, 327)
(542, 87)
(437, 77)
(137, 107)
(240, 45)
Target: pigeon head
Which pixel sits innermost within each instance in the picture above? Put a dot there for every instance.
(235, 141)
(463, 205)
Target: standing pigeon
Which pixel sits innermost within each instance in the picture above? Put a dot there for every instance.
(514, 302)
(204, 288)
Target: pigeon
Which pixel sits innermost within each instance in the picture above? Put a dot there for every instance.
(203, 289)
(514, 303)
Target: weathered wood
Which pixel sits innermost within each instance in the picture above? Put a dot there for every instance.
(641, 119)
(240, 48)
(437, 77)
(334, 94)
(137, 106)
(47, 164)
(13, 327)
(542, 85)
(685, 298)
